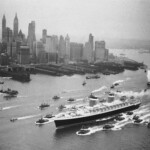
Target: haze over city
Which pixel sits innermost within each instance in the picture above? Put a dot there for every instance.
(105, 19)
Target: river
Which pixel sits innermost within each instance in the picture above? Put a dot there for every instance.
(25, 135)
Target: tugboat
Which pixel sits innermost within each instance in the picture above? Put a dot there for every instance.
(61, 107)
(138, 120)
(71, 100)
(48, 116)
(119, 118)
(1, 82)
(112, 86)
(9, 92)
(115, 84)
(84, 83)
(42, 121)
(43, 105)
(84, 130)
(123, 98)
(129, 113)
(56, 97)
(93, 77)
(13, 119)
(108, 126)
(148, 125)
(135, 117)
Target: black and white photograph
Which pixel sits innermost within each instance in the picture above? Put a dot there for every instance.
(74, 74)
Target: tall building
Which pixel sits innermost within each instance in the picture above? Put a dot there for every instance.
(51, 46)
(101, 53)
(16, 25)
(91, 41)
(3, 28)
(21, 37)
(67, 41)
(31, 36)
(44, 34)
(9, 35)
(88, 53)
(76, 51)
(62, 47)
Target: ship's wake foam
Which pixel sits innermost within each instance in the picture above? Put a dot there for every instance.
(9, 107)
(143, 113)
(73, 91)
(99, 89)
(121, 81)
(132, 93)
(27, 117)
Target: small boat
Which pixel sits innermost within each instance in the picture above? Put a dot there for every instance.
(61, 107)
(148, 125)
(93, 77)
(9, 92)
(123, 98)
(71, 100)
(112, 86)
(56, 97)
(43, 105)
(42, 121)
(138, 120)
(129, 113)
(115, 84)
(136, 117)
(84, 130)
(84, 83)
(13, 119)
(132, 97)
(120, 115)
(119, 118)
(108, 126)
(49, 116)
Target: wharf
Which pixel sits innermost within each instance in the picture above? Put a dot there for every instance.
(16, 72)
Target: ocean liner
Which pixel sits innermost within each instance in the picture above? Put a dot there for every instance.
(93, 110)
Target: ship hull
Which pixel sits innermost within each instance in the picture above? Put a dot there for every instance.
(62, 123)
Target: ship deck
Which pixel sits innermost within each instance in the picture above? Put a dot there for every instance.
(80, 111)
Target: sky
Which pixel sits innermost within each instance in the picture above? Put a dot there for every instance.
(120, 19)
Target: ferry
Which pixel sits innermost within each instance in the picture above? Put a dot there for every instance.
(94, 110)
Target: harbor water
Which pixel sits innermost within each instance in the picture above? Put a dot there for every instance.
(24, 134)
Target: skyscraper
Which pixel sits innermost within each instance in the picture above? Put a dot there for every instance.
(31, 36)
(88, 53)
(3, 28)
(15, 27)
(67, 40)
(91, 41)
(44, 34)
(100, 51)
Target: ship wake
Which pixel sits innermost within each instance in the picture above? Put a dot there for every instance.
(143, 113)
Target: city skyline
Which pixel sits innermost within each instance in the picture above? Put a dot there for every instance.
(104, 19)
